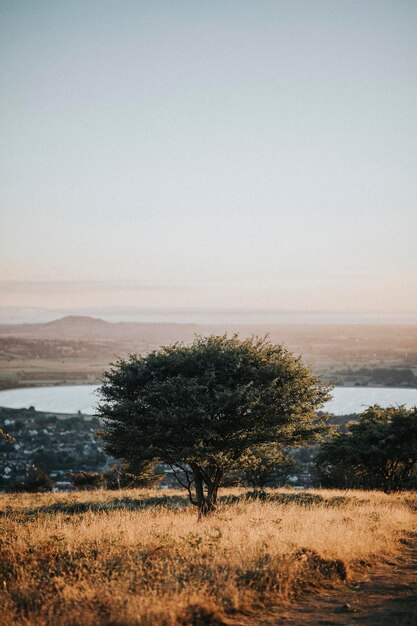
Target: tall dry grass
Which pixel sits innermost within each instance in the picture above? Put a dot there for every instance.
(102, 558)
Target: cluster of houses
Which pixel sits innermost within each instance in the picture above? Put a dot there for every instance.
(55, 443)
(61, 444)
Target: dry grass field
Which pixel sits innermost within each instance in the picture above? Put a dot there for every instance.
(141, 558)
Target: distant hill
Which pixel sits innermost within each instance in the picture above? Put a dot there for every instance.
(352, 345)
(76, 349)
(85, 327)
(66, 326)
(77, 324)
(370, 339)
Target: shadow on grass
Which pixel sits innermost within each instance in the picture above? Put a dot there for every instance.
(117, 504)
(300, 499)
(179, 502)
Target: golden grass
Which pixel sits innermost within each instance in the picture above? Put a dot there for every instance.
(98, 559)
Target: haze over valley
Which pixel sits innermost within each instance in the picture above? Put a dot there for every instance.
(77, 349)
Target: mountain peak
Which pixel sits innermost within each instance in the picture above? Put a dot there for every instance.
(77, 321)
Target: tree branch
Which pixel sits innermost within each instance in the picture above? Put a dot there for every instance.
(187, 484)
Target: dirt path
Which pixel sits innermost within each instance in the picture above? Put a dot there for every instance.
(385, 595)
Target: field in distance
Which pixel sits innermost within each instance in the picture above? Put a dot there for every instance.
(78, 349)
(141, 558)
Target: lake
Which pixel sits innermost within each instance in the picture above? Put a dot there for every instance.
(83, 398)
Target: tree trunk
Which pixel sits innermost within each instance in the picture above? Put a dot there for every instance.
(206, 502)
(199, 492)
(212, 497)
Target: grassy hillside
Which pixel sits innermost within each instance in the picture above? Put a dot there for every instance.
(140, 558)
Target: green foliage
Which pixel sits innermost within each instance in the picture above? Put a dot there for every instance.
(270, 468)
(36, 480)
(207, 408)
(129, 475)
(119, 476)
(379, 451)
(86, 480)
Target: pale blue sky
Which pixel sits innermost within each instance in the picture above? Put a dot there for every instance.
(218, 153)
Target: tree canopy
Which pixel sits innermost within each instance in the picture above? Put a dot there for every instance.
(379, 451)
(36, 480)
(210, 407)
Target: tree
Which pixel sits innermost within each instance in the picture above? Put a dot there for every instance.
(35, 481)
(84, 480)
(126, 475)
(205, 409)
(271, 468)
(379, 451)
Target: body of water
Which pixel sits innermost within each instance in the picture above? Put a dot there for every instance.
(84, 398)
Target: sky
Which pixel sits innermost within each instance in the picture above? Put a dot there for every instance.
(248, 154)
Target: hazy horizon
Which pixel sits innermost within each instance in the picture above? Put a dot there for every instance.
(206, 316)
(221, 156)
